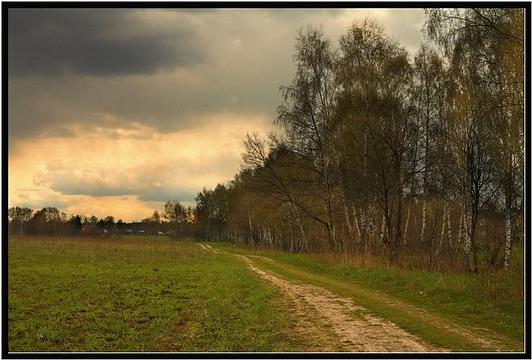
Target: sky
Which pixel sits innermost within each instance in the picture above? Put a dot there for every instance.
(115, 111)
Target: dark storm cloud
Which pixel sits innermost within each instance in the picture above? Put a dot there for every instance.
(237, 59)
(96, 42)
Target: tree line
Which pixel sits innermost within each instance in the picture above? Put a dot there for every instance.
(176, 220)
(418, 161)
(380, 154)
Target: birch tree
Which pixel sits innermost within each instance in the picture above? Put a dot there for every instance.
(307, 111)
(376, 79)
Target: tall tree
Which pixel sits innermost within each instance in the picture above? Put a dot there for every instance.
(485, 47)
(429, 97)
(307, 112)
(376, 81)
(175, 213)
(20, 216)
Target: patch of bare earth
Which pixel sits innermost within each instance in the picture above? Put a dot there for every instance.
(361, 330)
(357, 329)
(335, 323)
(317, 337)
(485, 339)
(209, 248)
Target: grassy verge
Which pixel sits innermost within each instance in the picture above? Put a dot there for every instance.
(80, 294)
(490, 301)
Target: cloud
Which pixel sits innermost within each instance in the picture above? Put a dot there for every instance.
(148, 181)
(402, 25)
(97, 42)
(174, 65)
(135, 107)
(128, 208)
(35, 200)
(116, 163)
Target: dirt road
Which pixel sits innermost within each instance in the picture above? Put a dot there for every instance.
(340, 323)
(319, 313)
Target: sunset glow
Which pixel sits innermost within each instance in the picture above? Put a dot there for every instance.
(161, 111)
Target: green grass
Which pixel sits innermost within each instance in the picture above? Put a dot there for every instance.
(130, 294)
(489, 300)
(142, 293)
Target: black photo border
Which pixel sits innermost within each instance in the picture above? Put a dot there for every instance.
(7, 5)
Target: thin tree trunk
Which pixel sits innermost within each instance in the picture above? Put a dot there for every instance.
(406, 223)
(250, 225)
(357, 227)
(470, 245)
(300, 226)
(474, 252)
(291, 237)
(382, 228)
(440, 243)
(303, 235)
(449, 233)
(348, 219)
(397, 228)
(507, 240)
(460, 225)
(423, 219)
(467, 242)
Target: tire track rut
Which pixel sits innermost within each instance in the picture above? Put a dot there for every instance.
(356, 328)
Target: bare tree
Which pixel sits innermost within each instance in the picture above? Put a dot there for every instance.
(376, 79)
(307, 112)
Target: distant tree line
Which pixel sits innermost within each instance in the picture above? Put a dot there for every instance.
(175, 221)
(381, 155)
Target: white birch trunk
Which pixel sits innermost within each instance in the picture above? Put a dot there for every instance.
(406, 223)
(449, 233)
(382, 228)
(460, 226)
(440, 243)
(250, 226)
(364, 222)
(300, 226)
(303, 234)
(357, 226)
(348, 220)
(467, 243)
(423, 219)
(507, 240)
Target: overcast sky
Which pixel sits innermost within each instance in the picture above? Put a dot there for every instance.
(112, 112)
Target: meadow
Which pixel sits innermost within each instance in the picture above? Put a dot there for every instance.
(153, 294)
(138, 294)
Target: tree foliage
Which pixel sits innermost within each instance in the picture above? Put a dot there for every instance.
(383, 154)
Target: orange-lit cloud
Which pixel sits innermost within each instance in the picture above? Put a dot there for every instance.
(132, 171)
(114, 112)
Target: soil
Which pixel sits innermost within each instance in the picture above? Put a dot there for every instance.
(337, 323)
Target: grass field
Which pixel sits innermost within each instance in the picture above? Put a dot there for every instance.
(493, 301)
(153, 294)
(139, 294)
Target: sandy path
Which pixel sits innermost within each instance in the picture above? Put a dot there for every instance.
(482, 337)
(208, 248)
(318, 310)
